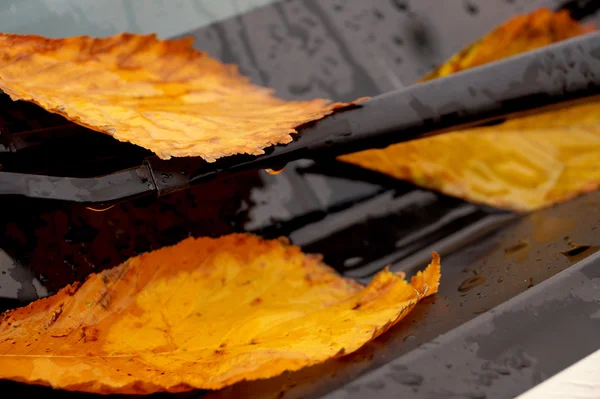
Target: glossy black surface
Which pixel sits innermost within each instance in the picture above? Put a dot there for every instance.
(359, 220)
(499, 354)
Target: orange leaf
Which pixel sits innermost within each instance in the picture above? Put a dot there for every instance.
(522, 164)
(159, 94)
(517, 35)
(204, 313)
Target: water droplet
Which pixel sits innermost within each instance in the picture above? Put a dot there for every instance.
(398, 41)
(350, 262)
(519, 251)
(579, 252)
(69, 262)
(471, 283)
(165, 176)
(274, 171)
(400, 5)
(378, 14)
(100, 209)
(471, 8)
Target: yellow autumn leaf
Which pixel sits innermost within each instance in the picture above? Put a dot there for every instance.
(522, 164)
(205, 313)
(159, 94)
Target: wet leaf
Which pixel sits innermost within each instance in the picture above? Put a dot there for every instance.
(159, 94)
(522, 164)
(519, 34)
(205, 313)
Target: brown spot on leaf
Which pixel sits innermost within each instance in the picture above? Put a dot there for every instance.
(256, 301)
(72, 289)
(55, 316)
(89, 334)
